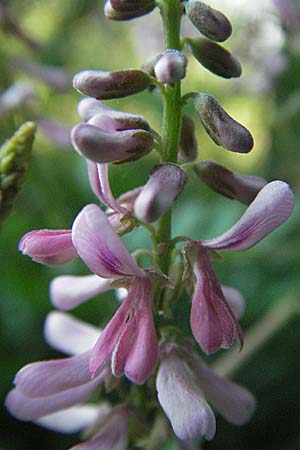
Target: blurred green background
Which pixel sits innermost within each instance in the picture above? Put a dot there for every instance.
(74, 34)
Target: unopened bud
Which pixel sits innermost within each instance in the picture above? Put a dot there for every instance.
(188, 148)
(127, 9)
(166, 182)
(214, 57)
(210, 22)
(170, 67)
(112, 120)
(15, 154)
(221, 127)
(107, 146)
(49, 247)
(232, 185)
(18, 94)
(108, 85)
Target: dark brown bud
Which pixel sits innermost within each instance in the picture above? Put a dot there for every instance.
(243, 188)
(221, 127)
(210, 22)
(105, 85)
(214, 57)
(127, 10)
(188, 148)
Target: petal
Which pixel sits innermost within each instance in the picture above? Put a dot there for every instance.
(212, 321)
(69, 291)
(113, 435)
(98, 174)
(142, 358)
(69, 335)
(89, 107)
(112, 332)
(50, 247)
(235, 403)
(99, 246)
(235, 300)
(182, 400)
(272, 206)
(70, 420)
(26, 408)
(41, 379)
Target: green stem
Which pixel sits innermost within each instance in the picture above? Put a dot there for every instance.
(171, 15)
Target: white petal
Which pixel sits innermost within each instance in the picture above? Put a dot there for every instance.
(69, 335)
(69, 291)
(70, 420)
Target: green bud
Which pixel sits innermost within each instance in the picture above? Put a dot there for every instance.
(221, 127)
(15, 154)
(210, 22)
(214, 57)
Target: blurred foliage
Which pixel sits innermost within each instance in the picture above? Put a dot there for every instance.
(74, 34)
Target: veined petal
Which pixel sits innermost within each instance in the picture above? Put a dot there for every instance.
(143, 355)
(41, 379)
(182, 400)
(100, 248)
(212, 321)
(70, 420)
(26, 408)
(235, 403)
(49, 247)
(69, 291)
(272, 206)
(112, 332)
(69, 335)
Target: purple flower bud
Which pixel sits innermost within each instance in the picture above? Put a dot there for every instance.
(127, 9)
(49, 247)
(106, 85)
(166, 182)
(214, 57)
(210, 22)
(16, 96)
(232, 185)
(106, 146)
(221, 127)
(188, 148)
(96, 113)
(170, 67)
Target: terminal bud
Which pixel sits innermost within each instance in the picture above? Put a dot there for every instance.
(170, 67)
(214, 57)
(210, 22)
(243, 188)
(105, 85)
(221, 127)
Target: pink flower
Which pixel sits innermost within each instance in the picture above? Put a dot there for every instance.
(129, 338)
(185, 385)
(213, 324)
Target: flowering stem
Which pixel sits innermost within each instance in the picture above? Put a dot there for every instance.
(171, 15)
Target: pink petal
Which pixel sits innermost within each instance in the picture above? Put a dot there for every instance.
(142, 358)
(111, 333)
(235, 403)
(41, 379)
(235, 300)
(212, 321)
(50, 247)
(69, 335)
(69, 291)
(89, 107)
(26, 408)
(272, 206)
(100, 248)
(71, 420)
(182, 400)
